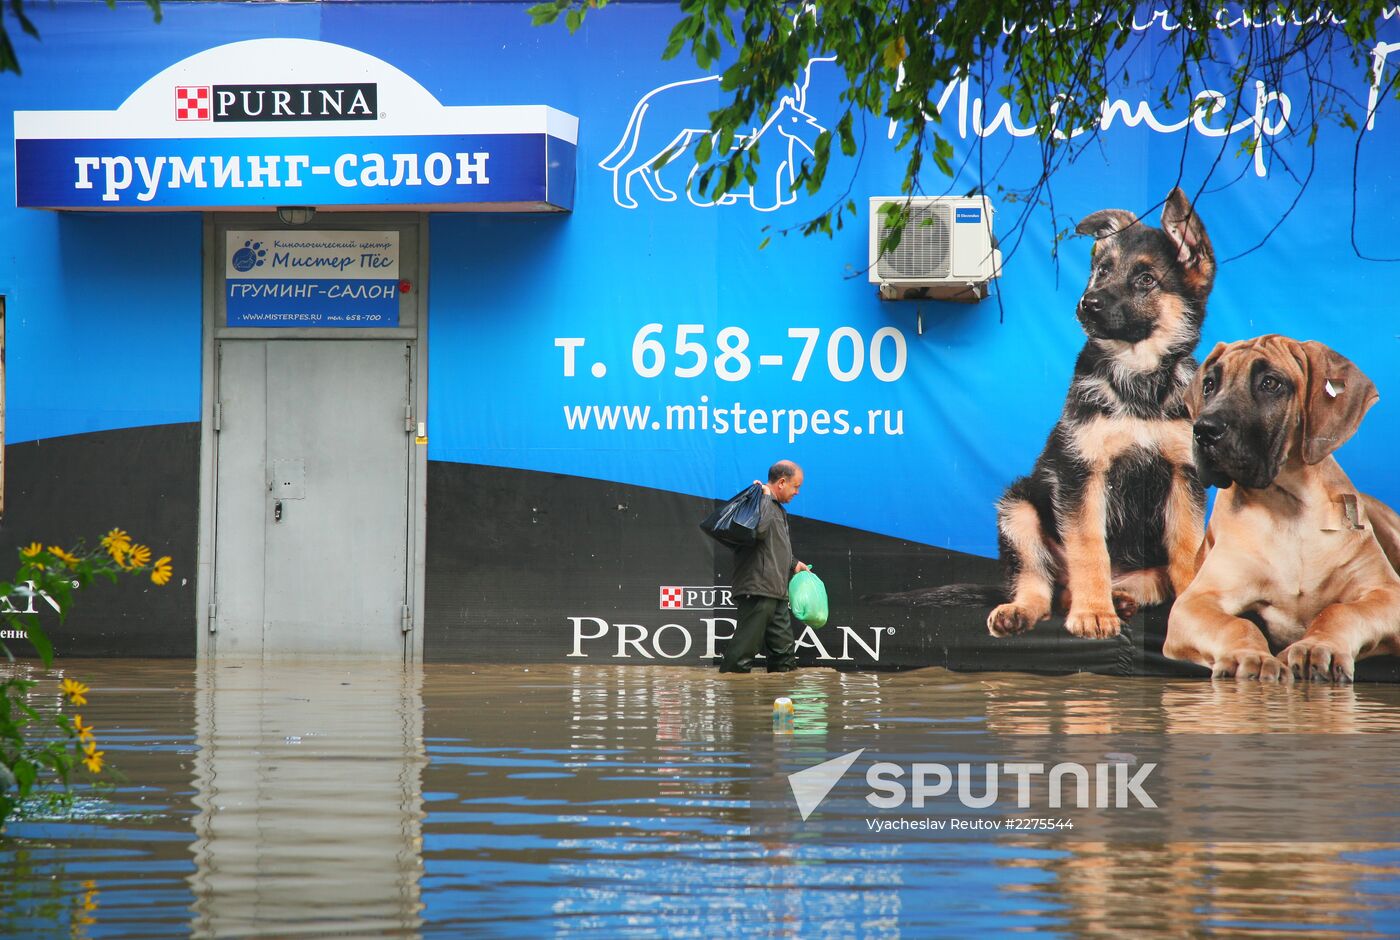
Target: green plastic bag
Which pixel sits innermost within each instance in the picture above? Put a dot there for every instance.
(807, 598)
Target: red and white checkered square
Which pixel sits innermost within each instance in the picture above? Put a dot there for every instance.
(191, 102)
(672, 598)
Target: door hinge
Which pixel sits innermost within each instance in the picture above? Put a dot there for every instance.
(407, 624)
(213, 618)
(408, 418)
(218, 415)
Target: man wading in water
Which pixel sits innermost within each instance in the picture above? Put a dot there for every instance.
(761, 573)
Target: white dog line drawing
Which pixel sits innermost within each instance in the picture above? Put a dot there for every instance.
(682, 110)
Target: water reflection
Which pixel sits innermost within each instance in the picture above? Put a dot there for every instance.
(615, 800)
(1268, 884)
(309, 797)
(347, 799)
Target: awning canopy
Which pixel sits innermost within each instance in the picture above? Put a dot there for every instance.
(279, 122)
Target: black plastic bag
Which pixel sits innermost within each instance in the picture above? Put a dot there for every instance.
(735, 524)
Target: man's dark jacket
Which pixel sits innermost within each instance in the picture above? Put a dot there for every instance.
(763, 568)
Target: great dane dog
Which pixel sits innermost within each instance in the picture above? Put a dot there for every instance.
(1291, 543)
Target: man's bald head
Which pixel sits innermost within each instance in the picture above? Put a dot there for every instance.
(783, 470)
(784, 480)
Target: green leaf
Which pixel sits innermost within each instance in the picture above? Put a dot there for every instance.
(848, 140)
(894, 53)
(542, 14)
(943, 155)
(42, 646)
(25, 774)
(727, 28)
(712, 46)
(673, 45)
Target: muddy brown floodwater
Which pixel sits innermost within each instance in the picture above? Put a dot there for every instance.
(326, 798)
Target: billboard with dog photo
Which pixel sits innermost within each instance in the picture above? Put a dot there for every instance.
(1012, 481)
(1008, 483)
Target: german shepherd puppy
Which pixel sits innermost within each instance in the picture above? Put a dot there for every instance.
(1111, 516)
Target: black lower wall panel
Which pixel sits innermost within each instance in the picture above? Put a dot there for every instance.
(144, 480)
(537, 567)
(521, 565)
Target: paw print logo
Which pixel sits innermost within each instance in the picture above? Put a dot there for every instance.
(248, 257)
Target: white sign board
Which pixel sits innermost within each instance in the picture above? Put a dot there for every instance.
(312, 279)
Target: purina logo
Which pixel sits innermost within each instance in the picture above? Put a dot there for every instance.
(713, 597)
(348, 102)
(192, 103)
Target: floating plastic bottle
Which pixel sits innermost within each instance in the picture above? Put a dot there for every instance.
(783, 715)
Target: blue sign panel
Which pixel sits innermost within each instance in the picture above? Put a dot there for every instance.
(208, 134)
(313, 303)
(111, 174)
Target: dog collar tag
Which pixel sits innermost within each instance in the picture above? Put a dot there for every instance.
(1333, 390)
(1351, 513)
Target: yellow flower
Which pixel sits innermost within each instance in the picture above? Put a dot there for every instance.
(84, 731)
(160, 574)
(93, 760)
(74, 690)
(118, 543)
(32, 551)
(139, 556)
(63, 556)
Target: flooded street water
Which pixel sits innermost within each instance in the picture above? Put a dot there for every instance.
(321, 798)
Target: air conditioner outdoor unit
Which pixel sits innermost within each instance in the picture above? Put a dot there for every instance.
(947, 250)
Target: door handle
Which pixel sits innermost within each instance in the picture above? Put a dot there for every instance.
(277, 511)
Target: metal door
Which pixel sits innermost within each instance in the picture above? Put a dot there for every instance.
(312, 497)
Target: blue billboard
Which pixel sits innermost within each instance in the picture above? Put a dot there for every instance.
(638, 342)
